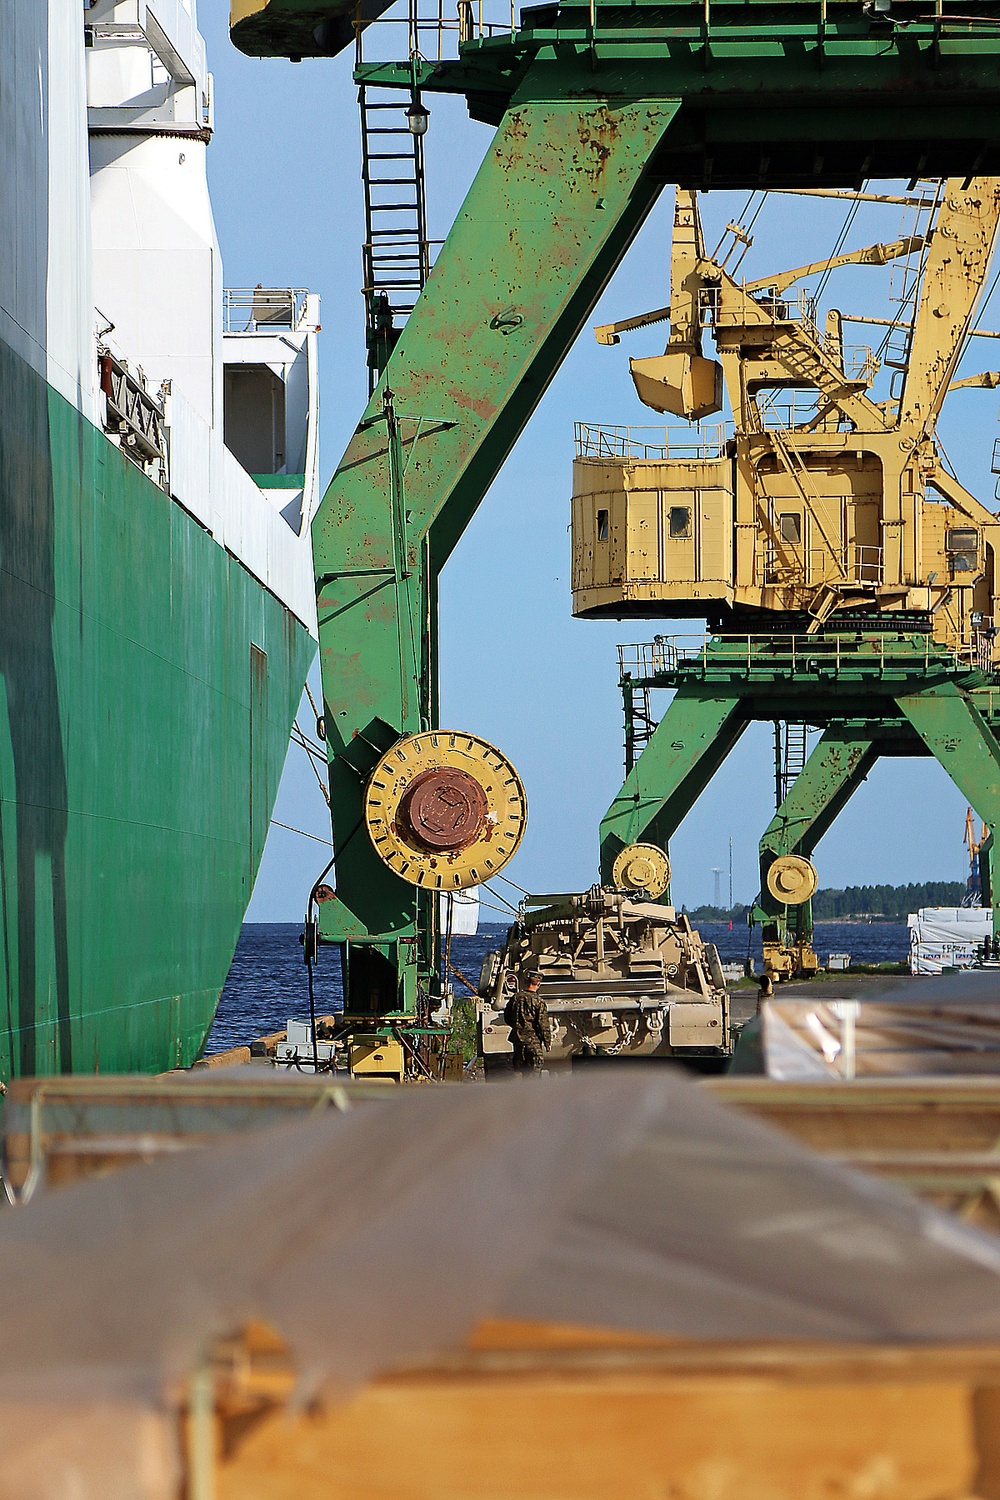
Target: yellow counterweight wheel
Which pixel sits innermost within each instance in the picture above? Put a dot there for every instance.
(792, 879)
(641, 867)
(445, 810)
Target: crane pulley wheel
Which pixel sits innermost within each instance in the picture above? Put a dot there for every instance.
(641, 867)
(445, 810)
(792, 879)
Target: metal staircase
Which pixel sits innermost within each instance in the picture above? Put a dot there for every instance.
(791, 749)
(396, 252)
(639, 721)
(905, 278)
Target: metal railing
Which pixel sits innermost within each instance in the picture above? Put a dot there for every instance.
(779, 564)
(652, 444)
(432, 32)
(979, 645)
(787, 410)
(800, 307)
(435, 35)
(860, 362)
(664, 653)
(791, 654)
(261, 309)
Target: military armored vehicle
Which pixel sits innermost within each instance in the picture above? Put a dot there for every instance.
(621, 976)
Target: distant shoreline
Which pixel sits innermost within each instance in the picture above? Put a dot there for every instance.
(864, 921)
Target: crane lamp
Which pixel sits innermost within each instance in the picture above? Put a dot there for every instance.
(417, 117)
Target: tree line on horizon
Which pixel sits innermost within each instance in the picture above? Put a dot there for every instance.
(889, 902)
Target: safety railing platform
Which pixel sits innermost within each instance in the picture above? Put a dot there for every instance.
(261, 309)
(649, 444)
(848, 656)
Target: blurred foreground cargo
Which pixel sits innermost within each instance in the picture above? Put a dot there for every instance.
(605, 1287)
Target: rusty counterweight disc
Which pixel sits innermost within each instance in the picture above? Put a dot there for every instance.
(444, 810)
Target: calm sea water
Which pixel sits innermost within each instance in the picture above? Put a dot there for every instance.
(267, 981)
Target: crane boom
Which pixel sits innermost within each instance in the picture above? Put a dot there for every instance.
(957, 262)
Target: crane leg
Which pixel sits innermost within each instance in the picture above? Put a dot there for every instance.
(832, 774)
(686, 749)
(958, 736)
(514, 283)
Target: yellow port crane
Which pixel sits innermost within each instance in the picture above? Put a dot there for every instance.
(824, 504)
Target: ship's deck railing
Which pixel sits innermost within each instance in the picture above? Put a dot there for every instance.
(652, 444)
(261, 309)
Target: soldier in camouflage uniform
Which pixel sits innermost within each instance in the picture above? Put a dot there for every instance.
(530, 1027)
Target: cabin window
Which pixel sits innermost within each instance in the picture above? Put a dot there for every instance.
(790, 527)
(603, 525)
(679, 521)
(962, 545)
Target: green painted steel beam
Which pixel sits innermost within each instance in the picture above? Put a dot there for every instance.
(783, 95)
(986, 870)
(552, 210)
(959, 737)
(878, 661)
(596, 109)
(912, 697)
(686, 749)
(794, 94)
(834, 770)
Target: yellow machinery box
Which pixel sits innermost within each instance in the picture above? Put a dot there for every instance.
(377, 1057)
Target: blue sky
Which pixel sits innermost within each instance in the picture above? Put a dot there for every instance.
(516, 667)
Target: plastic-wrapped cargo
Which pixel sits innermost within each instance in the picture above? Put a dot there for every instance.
(590, 1289)
(911, 1037)
(947, 937)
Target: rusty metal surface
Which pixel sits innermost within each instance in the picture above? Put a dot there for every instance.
(445, 809)
(511, 287)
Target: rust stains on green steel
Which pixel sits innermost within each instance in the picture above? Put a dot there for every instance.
(512, 286)
(834, 770)
(564, 187)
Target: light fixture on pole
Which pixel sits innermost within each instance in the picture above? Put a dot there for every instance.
(417, 117)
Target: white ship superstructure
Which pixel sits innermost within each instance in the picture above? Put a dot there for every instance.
(134, 264)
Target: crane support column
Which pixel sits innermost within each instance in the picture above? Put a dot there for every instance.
(686, 749)
(556, 203)
(959, 737)
(986, 870)
(832, 774)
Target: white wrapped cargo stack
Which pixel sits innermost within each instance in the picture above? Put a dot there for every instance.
(947, 937)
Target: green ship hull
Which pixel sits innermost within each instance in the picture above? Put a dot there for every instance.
(148, 684)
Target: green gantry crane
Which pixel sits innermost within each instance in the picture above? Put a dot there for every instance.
(596, 107)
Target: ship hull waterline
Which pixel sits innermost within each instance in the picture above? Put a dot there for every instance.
(148, 684)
